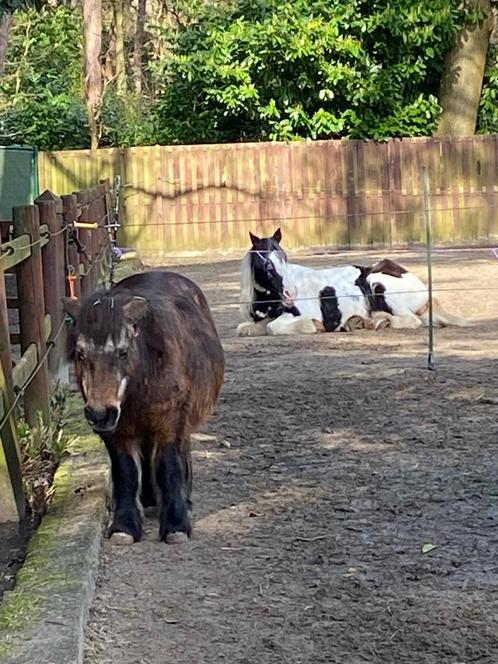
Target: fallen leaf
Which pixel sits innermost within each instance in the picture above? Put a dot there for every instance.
(427, 548)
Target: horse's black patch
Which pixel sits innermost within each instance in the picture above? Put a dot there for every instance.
(374, 296)
(265, 305)
(389, 267)
(330, 309)
(378, 300)
(364, 286)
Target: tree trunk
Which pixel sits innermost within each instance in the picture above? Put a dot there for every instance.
(121, 81)
(139, 44)
(92, 19)
(463, 74)
(5, 23)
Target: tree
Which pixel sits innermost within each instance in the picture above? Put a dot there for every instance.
(462, 79)
(139, 45)
(281, 70)
(41, 98)
(119, 34)
(92, 21)
(5, 22)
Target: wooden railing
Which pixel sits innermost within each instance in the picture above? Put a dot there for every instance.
(56, 247)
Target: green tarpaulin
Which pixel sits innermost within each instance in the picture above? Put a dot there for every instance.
(18, 178)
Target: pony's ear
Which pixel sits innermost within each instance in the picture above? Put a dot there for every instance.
(277, 235)
(71, 308)
(135, 309)
(254, 239)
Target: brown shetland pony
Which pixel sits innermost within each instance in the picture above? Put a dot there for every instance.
(149, 364)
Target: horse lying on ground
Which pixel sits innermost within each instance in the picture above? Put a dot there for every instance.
(278, 297)
(150, 365)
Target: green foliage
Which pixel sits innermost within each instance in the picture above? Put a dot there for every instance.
(307, 69)
(126, 120)
(42, 448)
(488, 108)
(230, 70)
(41, 92)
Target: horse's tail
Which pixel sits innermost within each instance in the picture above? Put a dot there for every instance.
(442, 318)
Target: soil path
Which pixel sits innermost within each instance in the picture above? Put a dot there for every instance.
(331, 461)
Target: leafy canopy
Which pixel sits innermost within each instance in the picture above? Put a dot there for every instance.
(41, 98)
(266, 69)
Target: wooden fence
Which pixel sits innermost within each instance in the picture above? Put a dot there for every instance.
(57, 247)
(328, 193)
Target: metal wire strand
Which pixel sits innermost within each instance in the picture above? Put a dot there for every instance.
(20, 394)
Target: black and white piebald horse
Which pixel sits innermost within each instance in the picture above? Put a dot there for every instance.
(278, 297)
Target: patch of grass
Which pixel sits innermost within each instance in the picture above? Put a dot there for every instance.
(42, 448)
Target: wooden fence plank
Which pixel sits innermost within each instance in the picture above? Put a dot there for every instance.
(12, 501)
(53, 272)
(69, 216)
(32, 313)
(197, 198)
(16, 251)
(25, 367)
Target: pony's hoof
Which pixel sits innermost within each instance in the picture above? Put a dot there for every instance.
(121, 539)
(176, 538)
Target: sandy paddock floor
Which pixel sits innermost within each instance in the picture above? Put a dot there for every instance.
(331, 461)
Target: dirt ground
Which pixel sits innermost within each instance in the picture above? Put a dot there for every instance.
(330, 462)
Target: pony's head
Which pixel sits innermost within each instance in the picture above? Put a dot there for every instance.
(264, 270)
(104, 348)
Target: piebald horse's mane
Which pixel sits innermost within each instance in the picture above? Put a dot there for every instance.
(246, 287)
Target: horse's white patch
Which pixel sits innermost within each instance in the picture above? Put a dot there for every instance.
(250, 329)
(109, 345)
(289, 324)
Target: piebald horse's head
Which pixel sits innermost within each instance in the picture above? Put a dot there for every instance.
(104, 347)
(269, 268)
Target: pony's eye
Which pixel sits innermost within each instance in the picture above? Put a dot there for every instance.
(123, 354)
(80, 355)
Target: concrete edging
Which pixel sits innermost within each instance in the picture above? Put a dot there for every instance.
(43, 618)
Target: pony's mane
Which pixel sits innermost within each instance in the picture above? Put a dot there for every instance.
(246, 287)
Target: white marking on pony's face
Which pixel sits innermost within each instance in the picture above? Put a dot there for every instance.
(109, 345)
(84, 346)
(122, 389)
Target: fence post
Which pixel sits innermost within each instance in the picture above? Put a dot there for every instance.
(50, 209)
(69, 215)
(32, 313)
(12, 500)
(108, 219)
(85, 237)
(428, 230)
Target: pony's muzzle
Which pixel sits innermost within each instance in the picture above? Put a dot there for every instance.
(102, 420)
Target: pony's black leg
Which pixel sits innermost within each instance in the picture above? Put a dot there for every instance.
(148, 495)
(174, 481)
(126, 485)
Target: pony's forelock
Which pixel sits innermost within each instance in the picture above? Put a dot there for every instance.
(246, 287)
